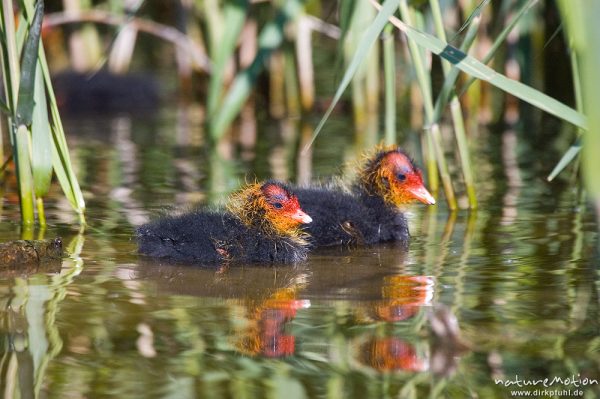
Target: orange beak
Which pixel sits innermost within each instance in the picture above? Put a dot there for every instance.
(420, 193)
(302, 217)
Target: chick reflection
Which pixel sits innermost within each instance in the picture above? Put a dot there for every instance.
(268, 297)
(402, 298)
(392, 354)
(266, 334)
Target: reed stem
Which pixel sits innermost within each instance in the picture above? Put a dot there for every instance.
(12, 75)
(429, 156)
(25, 179)
(61, 161)
(40, 211)
(432, 127)
(372, 66)
(448, 88)
(575, 148)
(389, 67)
(305, 64)
(456, 112)
(277, 85)
(292, 92)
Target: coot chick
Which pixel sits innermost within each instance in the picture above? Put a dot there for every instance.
(369, 212)
(261, 224)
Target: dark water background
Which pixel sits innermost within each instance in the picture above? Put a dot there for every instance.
(519, 275)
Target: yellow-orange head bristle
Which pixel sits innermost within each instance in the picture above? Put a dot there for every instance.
(390, 174)
(270, 207)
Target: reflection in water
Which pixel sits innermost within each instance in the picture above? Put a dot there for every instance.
(29, 335)
(519, 277)
(402, 299)
(269, 301)
(404, 295)
(129, 166)
(513, 177)
(447, 342)
(391, 354)
(266, 334)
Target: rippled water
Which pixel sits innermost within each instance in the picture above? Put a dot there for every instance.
(519, 277)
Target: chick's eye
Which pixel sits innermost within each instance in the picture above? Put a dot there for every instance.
(401, 176)
(278, 205)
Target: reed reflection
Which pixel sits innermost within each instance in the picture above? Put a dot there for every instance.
(29, 337)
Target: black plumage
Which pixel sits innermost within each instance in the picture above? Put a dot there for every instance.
(370, 211)
(252, 231)
(206, 237)
(342, 218)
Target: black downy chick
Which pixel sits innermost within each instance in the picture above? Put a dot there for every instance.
(370, 213)
(260, 225)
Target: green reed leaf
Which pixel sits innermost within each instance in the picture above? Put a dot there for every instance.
(61, 160)
(583, 32)
(476, 13)
(448, 88)
(23, 165)
(389, 73)
(28, 65)
(566, 159)
(10, 59)
(41, 135)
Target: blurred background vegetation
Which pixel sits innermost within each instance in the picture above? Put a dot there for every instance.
(234, 59)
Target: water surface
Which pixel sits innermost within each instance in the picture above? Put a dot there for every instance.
(519, 276)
